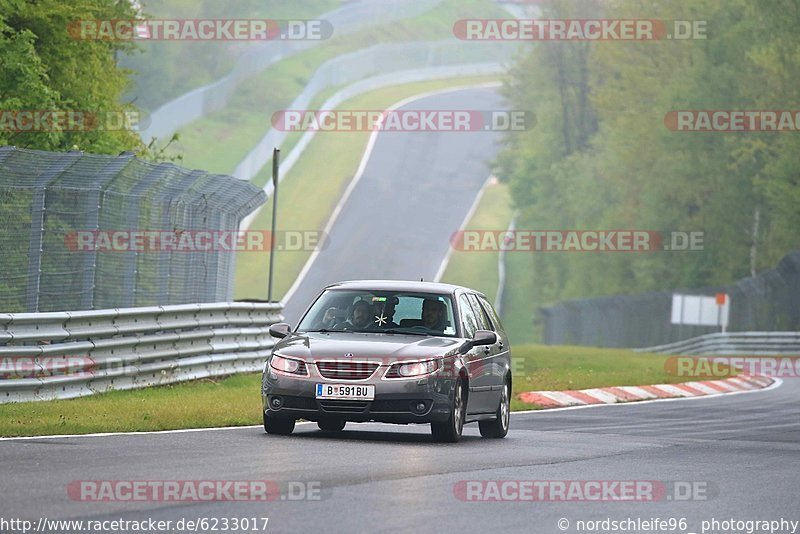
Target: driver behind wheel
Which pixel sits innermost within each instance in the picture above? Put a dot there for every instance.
(330, 318)
(359, 317)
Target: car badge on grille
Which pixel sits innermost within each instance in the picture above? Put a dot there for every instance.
(348, 355)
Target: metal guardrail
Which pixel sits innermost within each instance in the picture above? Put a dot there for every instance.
(61, 355)
(734, 343)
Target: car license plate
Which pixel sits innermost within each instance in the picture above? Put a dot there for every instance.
(345, 391)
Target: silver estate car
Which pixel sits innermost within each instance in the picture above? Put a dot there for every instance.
(393, 352)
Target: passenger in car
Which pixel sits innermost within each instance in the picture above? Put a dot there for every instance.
(433, 315)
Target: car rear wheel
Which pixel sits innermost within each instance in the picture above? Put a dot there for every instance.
(278, 425)
(331, 425)
(498, 427)
(450, 430)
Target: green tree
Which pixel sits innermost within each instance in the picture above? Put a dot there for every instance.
(601, 156)
(45, 68)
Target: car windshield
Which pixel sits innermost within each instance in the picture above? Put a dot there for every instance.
(386, 312)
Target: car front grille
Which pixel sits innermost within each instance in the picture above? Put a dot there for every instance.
(348, 406)
(391, 406)
(347, 370)
(302, 403)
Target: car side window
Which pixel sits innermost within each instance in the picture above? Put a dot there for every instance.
(483, 320)
(467, 317)
(492, 313)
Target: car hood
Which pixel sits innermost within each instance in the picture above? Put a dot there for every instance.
(381, 348)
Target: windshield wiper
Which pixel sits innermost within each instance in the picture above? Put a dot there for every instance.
(387, 331)
(395, 331)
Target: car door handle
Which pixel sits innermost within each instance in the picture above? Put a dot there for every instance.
(500, 344)
(486, 350)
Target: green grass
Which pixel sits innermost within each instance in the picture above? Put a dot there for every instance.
(232, 401)
(312, 188)
(219, 141)
(478, 269)
(558, 368)
(519, 313)
(236, 400)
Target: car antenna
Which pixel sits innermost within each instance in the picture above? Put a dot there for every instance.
(420, 279)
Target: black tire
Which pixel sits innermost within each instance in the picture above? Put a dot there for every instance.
(278, 425)
(331, 425)
(450, 430)
(498, 427)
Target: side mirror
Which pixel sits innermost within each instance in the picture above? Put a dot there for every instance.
(280, 330)
(481, 337)
(484, 337)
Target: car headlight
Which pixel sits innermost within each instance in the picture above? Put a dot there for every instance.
(288, 365)
(410, 369)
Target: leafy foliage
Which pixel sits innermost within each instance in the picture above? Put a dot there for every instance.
(601, 156)
(45, 68)
(167, 69)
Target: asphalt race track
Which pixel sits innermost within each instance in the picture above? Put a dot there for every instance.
(740, 453)
(744, 449)
(416, 190)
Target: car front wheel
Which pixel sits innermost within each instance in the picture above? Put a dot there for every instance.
(450, 430)
(498, 427)
(278, 425)
(331, 425)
